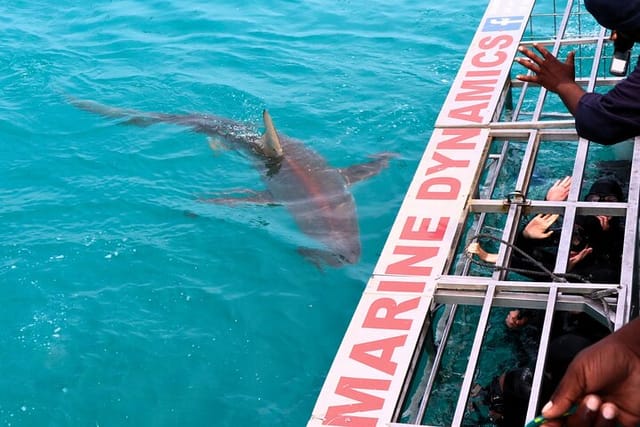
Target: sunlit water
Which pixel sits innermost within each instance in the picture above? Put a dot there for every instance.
(126, 300)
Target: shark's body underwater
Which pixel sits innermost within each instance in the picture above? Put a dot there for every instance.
(316, 195)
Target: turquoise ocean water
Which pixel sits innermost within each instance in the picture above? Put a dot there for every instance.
(126, 300)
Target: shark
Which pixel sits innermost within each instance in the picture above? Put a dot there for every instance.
(317, 195)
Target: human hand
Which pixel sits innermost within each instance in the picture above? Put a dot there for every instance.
(548, 71)
(476, 249)
(559, 191)
(515, 320)
(537, 228)
(591, 412)
(576, 257)
(605, 377)
(604, 221)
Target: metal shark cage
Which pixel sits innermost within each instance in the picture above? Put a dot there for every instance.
(493, 139)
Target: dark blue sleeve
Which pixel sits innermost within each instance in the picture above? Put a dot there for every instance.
(614, 116)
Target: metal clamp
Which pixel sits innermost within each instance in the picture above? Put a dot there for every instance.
(516, 198)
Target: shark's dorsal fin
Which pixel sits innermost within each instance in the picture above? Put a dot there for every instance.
(270, 142)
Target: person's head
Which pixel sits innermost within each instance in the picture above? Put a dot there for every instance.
(560, 353)
(516, 319)
(509, 395)
(605, 190)
(623, 16)
(580, 235)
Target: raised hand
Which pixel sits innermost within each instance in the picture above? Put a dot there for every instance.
(559, 191)
(538, 227)
(604, 221)
(576, 257)
(553, 75)
(548, 71)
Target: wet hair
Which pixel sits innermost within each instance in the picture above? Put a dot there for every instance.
(607, 186)
(580, 235)
(561, 352)
(586, 231)
(619, 15)
(511, 401)
(517, 384)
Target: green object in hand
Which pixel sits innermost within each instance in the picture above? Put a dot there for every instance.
(539, 420)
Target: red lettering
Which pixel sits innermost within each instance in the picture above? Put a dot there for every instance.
(398, 286)
(391, 309)
(470, 113)
(483, 73)
(383, 363)
(439, 188)
(479, 90)
(501, 42)
(488, 43)
(423, 232)
(407, 267)
(348, 387)
(490, 56)
(477, 61)
(445, 163)
(459, 134)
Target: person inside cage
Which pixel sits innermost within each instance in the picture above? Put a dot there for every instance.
(596, 244)
(505, 399)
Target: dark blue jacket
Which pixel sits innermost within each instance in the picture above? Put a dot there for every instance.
(612, 117)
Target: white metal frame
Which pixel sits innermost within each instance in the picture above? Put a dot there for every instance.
(419, 267)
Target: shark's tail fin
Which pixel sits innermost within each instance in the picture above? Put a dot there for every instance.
(132, 117)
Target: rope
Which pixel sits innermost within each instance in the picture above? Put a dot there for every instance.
(598, 295)
(556, 277)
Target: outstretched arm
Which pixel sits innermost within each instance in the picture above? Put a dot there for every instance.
(476, 249)
(553, 75)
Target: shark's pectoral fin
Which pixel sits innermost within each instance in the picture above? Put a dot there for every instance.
(357, 173)
(246, 196)
(270, 141)
(320, 257)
